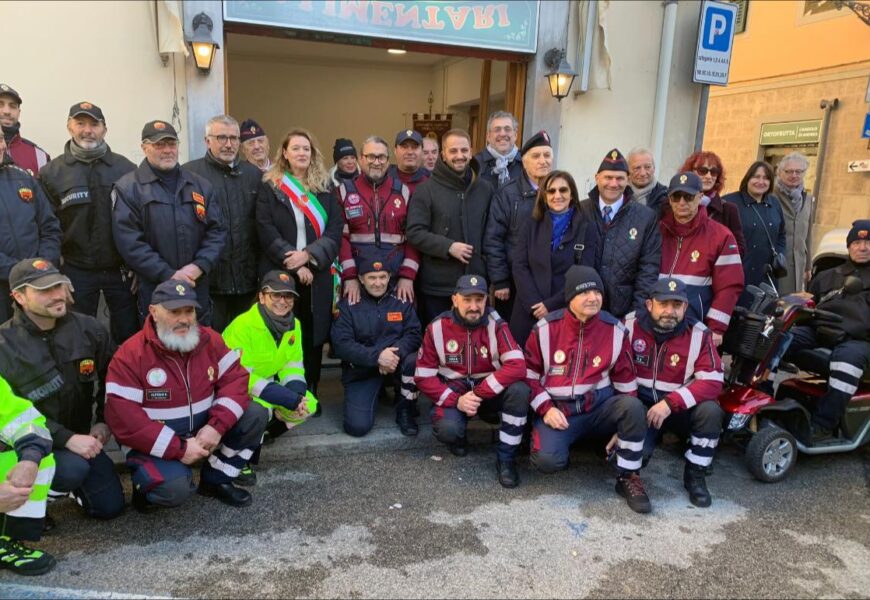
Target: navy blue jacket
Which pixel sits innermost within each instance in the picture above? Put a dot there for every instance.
(158, 232)
(509, 211)
(28, 227)
(362, 331)
(487, 164)
(758, 251)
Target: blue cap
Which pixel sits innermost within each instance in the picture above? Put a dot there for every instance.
(471, 284)
(669, 289)
(686, 182)
(370, 265)
(408, 134)
(860, 231)
(174, 294)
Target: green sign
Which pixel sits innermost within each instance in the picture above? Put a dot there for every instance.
(507, 25)
(791, 132)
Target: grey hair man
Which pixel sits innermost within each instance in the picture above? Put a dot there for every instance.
(500, 161)
(642, 179)
(796, 205)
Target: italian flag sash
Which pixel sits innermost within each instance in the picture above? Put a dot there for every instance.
(304, 201)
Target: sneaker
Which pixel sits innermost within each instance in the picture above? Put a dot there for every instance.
(22, 560)
(630, 487)
(247, 477)
(696, 484)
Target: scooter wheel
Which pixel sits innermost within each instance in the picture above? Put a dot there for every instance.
(770, 454)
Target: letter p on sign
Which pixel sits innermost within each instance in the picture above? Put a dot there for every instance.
(718, 30)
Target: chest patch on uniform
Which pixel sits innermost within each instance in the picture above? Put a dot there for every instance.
(559, 357)
(156, 377)
(397, 202)
(211, 374)
(394, 316)
(484, 352)
(25, 194)
(86, 367)
(639, 345)
(453, 359)
(452, 345)
(695, 256)
(291, 340)
(632, 234)
(675, 359)
(596, 361)
(558, 371)
(353, 198)
(157, 395)
(352, 212)
(642, 359)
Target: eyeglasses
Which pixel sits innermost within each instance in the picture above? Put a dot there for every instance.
(678, 197)
(285, 296)
(562, 190)
(714, 171)
(373, 158)
(223, 139)
(505, 129)
(794, 171)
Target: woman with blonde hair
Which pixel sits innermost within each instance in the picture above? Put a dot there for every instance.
(299, 225)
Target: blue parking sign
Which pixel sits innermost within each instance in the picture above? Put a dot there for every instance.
(715, 42)
(718, 24)
(865, 133)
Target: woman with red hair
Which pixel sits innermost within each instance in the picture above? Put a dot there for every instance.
(708, 166)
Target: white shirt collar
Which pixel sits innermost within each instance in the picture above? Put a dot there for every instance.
(615, 206)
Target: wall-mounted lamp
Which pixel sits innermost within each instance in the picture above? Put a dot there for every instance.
(561, 75)
(201, 44)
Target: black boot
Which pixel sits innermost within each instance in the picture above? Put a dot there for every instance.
(225, 492)
(458, 448)
(141, 504)
(507, 473)
(405, 420)
(696, 484)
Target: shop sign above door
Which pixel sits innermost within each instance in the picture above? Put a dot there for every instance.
(510, 25)
(790, 132)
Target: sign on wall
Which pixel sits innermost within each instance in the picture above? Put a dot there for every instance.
(790, 132)
(715, 42)
(507, 25)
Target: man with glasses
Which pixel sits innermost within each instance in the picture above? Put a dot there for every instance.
(165, 221)
(375, 209)
(796, 205)
(79, 185)
(702, 254)
(235, 183)
(500, 161)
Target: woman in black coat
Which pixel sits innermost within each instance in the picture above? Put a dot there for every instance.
(299, 225)
(763, 225)
(556, 238)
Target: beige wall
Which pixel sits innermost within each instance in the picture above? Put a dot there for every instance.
(734, 123)
(52, 65)
(330, 99)
(600, 119)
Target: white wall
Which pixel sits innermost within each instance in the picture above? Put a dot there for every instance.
(327, 97)
(60, 53)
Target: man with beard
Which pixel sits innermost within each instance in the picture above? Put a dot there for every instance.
(679, 377)
(57, 359)
(468, 365)
(376, 341)
(79, 185)
(500, 161)
(255, 144)
(446, 223)
(23, 152)
(375, 209)
(583, 384)
(269, 339)
(176, 395)
(409, 159)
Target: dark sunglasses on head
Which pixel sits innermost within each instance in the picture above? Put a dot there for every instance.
(714, 171)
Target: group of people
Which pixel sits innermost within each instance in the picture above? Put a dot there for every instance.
(225, 277)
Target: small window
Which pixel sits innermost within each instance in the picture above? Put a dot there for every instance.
(742, 8)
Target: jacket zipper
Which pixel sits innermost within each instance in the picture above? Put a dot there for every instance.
(677, 255)
(656, 355)
(377, 209)
(468, 360)
(186, 387)
(577, 365)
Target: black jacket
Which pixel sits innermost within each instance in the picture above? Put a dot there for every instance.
(80, 193)
(509, 211)
(628, 252)
(487, 164)
(658, 199)
(157, 232)
(62, 371)
(235, 189)
(854, 308)
(276, 227)
(28, 226)
(448, 208)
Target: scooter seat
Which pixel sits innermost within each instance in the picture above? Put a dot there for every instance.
(817, 361)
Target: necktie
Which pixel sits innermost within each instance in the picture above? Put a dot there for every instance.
(606, 214)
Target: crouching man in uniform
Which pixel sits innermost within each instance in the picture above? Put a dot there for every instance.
(679, 377)
(469, 364)
(175, 395)
(376, 340)
(583, 384)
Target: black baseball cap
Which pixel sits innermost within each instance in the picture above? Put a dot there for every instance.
(174, 294)
(278, 281)
(687, 182)
(669, 288)
(37, 273)
(87, 108)
(471, 284)
(6, 90)
(408, 134)
(154, 131)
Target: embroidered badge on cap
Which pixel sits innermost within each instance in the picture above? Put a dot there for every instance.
(40, 265)
(284, 277)
(25, 194)
(452, 345)
(159, 125)
(180, 289)
(86, 105)
(156, 377)
(377, 265)
(86, 367)
(596, 361)
(473, 280)
(672, 285)
(613, 155)
(409, 132)
(253, 129)
(863, 234)
(675, 359)
(559, 357)
(683, 179)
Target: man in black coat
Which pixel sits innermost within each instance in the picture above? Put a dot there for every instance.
(235, 183)
(79, 186)
(848, 340)
(629, 244)
(446, 222)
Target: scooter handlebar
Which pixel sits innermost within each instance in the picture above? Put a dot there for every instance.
(825, 314)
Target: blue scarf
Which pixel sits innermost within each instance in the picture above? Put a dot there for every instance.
(561, 223)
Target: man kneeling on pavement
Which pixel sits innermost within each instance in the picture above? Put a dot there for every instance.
(175, 395)
(469, 364)
(679, 376)
(583, 384)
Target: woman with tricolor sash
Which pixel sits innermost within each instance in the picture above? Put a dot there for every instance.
(299, 225)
